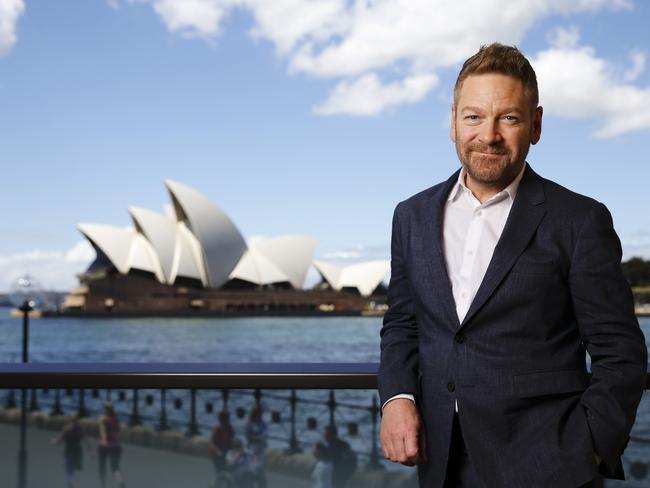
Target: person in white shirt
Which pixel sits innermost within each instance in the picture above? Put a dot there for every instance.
(501, 281)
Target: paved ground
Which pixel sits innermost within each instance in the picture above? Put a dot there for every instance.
(142, 467)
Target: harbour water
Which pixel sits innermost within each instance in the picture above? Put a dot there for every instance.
(273, 339)
(258, 339)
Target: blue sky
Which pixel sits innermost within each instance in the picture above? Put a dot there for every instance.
(294, 116)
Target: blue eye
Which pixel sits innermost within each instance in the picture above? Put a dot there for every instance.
(472, 117)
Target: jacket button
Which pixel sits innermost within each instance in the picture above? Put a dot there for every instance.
(459, 338)
(451, 387)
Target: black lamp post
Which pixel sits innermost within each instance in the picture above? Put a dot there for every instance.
(25, 308)
(24, 293)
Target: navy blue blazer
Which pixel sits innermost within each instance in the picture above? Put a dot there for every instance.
(530, 414)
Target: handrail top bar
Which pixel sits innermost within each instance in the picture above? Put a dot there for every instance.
(188, 368)
(190, 375)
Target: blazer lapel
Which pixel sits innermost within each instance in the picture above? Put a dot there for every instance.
(523, 220)
(433, 221)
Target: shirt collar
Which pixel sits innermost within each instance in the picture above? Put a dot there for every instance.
(510, 190)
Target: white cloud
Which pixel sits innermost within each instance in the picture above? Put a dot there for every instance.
(10, 11)
(191, 18)
(564, 37)
(575, 83)
(367, 96)
(286, 23)
(359, 43)
(54, 270)
(638, 66)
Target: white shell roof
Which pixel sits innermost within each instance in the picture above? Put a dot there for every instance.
(143, 256)
(160, 231)
(187, 260)
(199, 241)
(114, 242)
(292, 254)
(364, 276)
(330, 273)
(256, 268)
(222, 243)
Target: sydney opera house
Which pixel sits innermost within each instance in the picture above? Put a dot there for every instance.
(194, 260)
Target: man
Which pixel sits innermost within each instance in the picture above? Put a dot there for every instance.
(500, 281)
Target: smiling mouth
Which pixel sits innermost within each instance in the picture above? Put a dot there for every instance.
(489, 154)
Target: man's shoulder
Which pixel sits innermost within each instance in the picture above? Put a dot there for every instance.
(564, 200)
(424, 197)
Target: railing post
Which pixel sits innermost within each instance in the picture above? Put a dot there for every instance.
(162, 423)
(33, 404)
(331, 405)
(374, 453)
(293, 441)
(81, 410)
(57, 410)
(11, 399)
(258, 397)
(225, 394)
(135, 412)
(192, 428)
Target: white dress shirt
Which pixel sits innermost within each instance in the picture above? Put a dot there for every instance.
(470, 233)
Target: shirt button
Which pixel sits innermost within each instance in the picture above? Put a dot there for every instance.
(451, 387)
(464, 294)
(479, 213)
(459, 338)
(470, 252)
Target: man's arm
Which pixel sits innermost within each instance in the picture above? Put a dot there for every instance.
(604, 311)
(401, 436)
(399, 364)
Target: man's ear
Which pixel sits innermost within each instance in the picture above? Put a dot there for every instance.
(537, 126)
(452, 132)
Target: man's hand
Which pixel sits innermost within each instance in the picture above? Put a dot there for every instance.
(402, 438)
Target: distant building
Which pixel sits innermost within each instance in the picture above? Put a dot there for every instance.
(197, 260)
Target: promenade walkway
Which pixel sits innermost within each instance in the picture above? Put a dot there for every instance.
(142, 467)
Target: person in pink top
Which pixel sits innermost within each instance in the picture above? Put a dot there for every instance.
(110, 448)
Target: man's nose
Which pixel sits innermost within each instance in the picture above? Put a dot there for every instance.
(489, 133)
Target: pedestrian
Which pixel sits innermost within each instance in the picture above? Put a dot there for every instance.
(501, 282)
(220, 443)
(239, 465)
(321, 474)
(256, 434)
(72, 437)
(343, 458)
(110, 447)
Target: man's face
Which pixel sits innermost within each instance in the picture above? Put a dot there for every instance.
(493, 125)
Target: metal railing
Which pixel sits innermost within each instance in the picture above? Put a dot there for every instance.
(297, 417)
(148, 393)
(186, 397)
